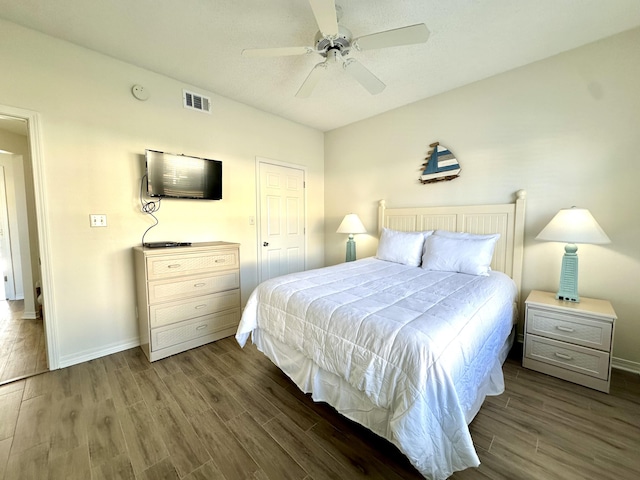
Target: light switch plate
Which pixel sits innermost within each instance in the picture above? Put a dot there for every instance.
(99, 220)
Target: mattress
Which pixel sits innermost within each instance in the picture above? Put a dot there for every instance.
(419, 349)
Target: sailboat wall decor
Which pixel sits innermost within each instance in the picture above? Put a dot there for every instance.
(441, 165)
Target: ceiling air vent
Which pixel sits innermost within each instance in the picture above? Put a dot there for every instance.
(195, 101)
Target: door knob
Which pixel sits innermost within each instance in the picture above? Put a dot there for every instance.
(265, 244)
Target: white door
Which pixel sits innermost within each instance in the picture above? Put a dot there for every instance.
(7, 290)
(282, 220)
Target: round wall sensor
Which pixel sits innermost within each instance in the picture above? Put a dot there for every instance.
(140, 92)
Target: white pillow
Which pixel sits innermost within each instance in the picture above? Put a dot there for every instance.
(401, 247)
(459, 252)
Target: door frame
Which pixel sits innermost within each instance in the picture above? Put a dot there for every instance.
(259, 161)
(44, 242)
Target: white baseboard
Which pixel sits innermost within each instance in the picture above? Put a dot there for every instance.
(92, 354)
(30, 315)
(627, 365)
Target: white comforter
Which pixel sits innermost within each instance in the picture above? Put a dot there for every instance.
(418, 343)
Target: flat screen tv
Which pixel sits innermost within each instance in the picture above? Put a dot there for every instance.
(181, 176)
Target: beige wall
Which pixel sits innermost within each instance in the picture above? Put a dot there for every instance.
(565, 129)
(94, 134)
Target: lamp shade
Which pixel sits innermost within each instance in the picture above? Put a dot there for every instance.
(351, 224)
(573, 225)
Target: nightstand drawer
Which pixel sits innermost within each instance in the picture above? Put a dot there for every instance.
(580, 330)
(586, 361)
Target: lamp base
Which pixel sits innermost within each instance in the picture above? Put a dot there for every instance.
(568, 291)
(351, 249)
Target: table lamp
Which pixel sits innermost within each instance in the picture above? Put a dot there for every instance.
(351, 224)
(572, 225)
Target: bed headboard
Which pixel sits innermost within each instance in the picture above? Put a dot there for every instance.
(506, 219)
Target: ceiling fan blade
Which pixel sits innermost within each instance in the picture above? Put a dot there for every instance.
(326, 16)
(393, 38)
(367, 79)
(276, 52)
(311, 81)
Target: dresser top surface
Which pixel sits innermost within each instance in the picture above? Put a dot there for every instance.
(194, 247)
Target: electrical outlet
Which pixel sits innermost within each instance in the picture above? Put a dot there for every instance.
(98, 220)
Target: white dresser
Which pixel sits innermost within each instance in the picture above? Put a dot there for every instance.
(568, 340)
(187, 296)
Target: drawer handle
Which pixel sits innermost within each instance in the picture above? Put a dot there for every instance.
(564, 356)
(564, 329)
(175, 265)
(201, 327)
(199, 284)
(220, 260)
(198, 307)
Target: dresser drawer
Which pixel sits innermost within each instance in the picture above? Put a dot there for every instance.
(167, 313)
(580, 330)
(594, 363)
(171, 335)
(166, 266)
(167, 290)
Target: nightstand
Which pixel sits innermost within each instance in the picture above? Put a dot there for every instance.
(571, 341)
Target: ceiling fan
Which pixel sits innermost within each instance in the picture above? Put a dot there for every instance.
(334, 42)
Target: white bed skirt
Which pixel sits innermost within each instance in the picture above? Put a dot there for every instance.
(327, 387)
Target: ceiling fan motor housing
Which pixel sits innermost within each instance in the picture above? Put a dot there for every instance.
(342, 42)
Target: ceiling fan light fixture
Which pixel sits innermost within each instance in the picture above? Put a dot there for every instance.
(334, 55)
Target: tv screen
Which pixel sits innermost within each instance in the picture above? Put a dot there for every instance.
(181, 176)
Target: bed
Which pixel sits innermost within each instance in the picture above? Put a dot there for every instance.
(410, 342)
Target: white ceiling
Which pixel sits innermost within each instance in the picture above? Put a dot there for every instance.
(199, 42)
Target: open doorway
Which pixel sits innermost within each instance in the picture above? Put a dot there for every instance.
(6, 265)
(23, 340)
(8, 289)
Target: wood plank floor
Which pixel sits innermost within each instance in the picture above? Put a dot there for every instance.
(221, 413)
(22, 343)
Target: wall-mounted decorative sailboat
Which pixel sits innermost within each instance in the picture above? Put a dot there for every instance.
(441, 165)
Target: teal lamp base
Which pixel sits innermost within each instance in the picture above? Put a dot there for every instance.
(568, 290)
(351, 249)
